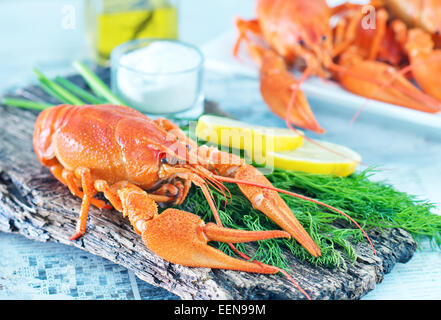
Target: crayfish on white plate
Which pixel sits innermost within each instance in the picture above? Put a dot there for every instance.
(336, 43)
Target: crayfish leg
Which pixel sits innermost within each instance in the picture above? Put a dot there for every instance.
(67, 178)
(88, 193)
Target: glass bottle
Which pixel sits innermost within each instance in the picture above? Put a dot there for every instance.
(110, 23)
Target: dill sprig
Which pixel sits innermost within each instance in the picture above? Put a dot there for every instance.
(372, 204)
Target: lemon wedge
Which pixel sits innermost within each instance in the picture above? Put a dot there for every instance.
(241, 135)
(318, 157)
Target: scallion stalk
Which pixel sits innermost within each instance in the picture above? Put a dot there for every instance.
(80, 92)
(49, 90)
(96, 84)
(23, 103)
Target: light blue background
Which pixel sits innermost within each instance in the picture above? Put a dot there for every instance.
(32, 33)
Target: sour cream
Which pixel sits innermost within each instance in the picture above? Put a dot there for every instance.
(157, 76)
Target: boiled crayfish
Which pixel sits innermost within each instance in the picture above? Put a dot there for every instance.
(298, 33)
(137, 162)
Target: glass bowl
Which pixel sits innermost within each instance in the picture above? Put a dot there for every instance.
(159, 77)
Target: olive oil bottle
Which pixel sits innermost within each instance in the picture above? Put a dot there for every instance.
(110, 23)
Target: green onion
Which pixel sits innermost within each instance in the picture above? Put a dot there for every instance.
(79, 91)
(23, 103)
(96, 84)
(48, 89)
(65, 95)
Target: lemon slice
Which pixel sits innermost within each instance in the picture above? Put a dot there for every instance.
(321, 158)
(240, 135)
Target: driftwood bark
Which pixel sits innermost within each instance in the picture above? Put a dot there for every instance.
(35, 205)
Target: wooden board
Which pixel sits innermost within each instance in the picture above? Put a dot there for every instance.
(35, 205)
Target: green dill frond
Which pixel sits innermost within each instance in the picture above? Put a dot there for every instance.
(372, 204)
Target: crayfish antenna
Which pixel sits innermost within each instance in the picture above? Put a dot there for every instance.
(289, 124)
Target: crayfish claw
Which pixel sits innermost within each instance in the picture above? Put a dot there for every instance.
(272, 205)
(181, 237)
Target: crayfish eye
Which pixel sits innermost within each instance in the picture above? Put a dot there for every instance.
(170, 160)
(301, 42)
(324, 37)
